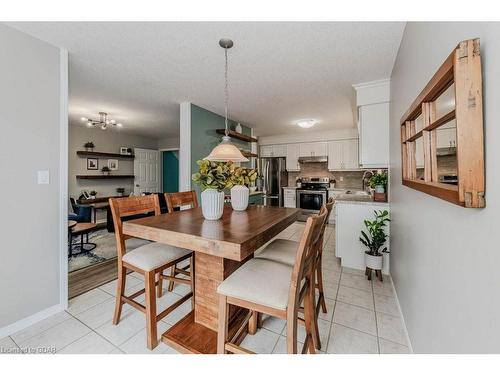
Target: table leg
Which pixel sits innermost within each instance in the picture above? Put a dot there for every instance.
(197, 332)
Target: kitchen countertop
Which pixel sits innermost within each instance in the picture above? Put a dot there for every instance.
(362, 202)
(256, 193)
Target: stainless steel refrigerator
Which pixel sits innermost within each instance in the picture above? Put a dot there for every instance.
(274, 178)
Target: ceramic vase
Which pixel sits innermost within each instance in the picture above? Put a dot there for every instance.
(212, 204)
(239, 197)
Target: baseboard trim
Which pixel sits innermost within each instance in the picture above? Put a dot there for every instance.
(30, 320)
(410, 347)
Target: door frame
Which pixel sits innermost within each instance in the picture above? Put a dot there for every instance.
(161, 163)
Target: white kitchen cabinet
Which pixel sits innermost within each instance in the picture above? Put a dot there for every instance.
(292, 157)
(374, 135)
(446, 137)
(343, 154)
(313, 149)
(273, 151)
(290, 197)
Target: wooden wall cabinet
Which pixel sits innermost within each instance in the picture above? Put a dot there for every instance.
(435, 148)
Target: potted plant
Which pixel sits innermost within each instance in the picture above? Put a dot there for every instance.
(379, 182)
(89, 146)
(375, 240)
(213, 178)
(239, 181)
(93, 194)
(120, 191)
(106, 170)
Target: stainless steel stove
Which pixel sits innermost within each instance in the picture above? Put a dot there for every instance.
(312, 195)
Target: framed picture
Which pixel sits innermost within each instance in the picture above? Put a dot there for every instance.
(124, 151)
(92, 164)
(113, 164)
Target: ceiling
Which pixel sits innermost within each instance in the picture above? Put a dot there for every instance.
(139, 72)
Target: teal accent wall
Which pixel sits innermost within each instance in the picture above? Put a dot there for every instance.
(170, 171)
(204, 138)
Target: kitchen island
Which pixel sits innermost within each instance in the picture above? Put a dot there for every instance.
(349, 221)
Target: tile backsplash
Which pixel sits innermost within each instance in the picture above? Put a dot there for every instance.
(351, 179)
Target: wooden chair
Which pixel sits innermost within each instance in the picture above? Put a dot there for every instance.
(284, 251)
(177, 200)
(149, 260)
(274, 288)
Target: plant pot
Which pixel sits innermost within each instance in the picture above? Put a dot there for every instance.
(380, 189)
(374, 262)
(239, 197)
(212, 204)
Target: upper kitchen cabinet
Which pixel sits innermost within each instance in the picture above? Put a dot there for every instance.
(272, 151)
(292, 157)
(343, 154)
(313, 149)
(372, 100)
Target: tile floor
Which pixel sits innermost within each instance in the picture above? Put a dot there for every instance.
(362, 317)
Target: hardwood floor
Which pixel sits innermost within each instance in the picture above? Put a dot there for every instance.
(88, 278)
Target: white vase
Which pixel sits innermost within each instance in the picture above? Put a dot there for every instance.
(212, 204)
(379, 189)
(238, 128)
(374, 262)
(239, 197)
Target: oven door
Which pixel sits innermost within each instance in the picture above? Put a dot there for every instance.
(310, 201)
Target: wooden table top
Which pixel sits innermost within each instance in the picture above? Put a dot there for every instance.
(71, 223)
(236, 235)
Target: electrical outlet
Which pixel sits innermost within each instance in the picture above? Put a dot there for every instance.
(43, 177)
(341, 179)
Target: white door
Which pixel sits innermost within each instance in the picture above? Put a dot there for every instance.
(146, 171)
(350, 154)
(335, 155)
(292, 157)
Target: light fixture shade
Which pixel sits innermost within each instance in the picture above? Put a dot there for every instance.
(226, 151)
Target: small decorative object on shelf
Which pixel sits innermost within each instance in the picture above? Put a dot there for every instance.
(92, 164)
(374, 240)
(379, 181)
(239, 181)
(120, 191)
(238, 128)
(212, 177)
(93, 194)
(125, 151)
(89, 146)
(106, 170)
(113, 164)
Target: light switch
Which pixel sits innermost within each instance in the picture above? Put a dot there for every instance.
(43, 177)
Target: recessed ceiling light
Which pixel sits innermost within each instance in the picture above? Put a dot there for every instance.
(307, 123)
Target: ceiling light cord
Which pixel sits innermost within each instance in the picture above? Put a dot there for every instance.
(226, 94)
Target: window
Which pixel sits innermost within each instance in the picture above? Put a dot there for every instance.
(442, 151)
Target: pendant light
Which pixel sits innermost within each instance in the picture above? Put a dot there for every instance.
(226, 151)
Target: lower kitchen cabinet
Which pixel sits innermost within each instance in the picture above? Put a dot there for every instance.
(255, 199)
(289, 196)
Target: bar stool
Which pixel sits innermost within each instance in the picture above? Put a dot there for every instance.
(285, 251)
(178, 200)
(276, 289)
(149, 260)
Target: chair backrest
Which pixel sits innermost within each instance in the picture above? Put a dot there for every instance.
(304, 261)
(130, 206)
(329, 207)
(185, 198)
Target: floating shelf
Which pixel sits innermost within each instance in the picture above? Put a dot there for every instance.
(248, 154)
(104, 154)
(236, 135)
(103, 176)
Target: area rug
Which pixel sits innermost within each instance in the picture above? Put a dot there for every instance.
(105, 249)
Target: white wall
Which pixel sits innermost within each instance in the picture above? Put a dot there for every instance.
(31, 101)
(309, 135)
(105, 141)
(445, 258)
(168, 142)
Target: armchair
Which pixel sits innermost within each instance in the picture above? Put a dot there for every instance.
(79, 213)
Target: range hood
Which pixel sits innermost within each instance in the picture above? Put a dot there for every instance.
(313, 159)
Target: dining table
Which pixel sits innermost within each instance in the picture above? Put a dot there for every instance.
(220, 247)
